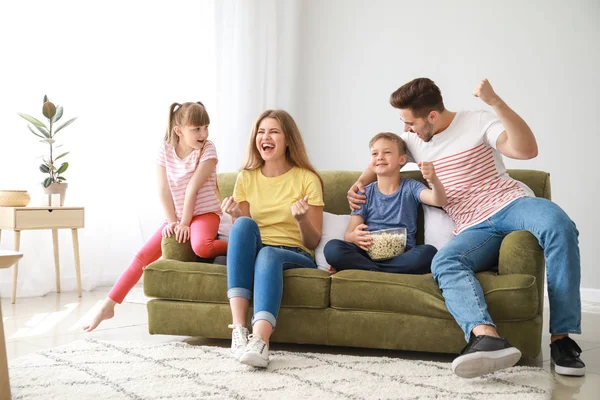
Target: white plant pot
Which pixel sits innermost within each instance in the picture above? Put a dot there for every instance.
(56, 188)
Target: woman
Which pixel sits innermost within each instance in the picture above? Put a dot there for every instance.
(277, 207)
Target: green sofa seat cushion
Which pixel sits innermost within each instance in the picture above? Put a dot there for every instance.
(509, 297)
(194, 281)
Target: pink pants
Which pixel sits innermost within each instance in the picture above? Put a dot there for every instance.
(203, 231)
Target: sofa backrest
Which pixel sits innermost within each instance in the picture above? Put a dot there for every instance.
(337, 183)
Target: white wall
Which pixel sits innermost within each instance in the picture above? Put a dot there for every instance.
(542, 57)
(117, 66)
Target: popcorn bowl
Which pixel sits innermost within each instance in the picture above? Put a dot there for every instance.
(387, 243)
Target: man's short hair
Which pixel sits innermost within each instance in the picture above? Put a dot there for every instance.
(420, 95)
(391, 137)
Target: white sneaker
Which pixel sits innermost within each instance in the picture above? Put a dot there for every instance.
(239, 340)
(256, 353)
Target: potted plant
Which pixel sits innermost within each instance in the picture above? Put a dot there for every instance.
(55, 182)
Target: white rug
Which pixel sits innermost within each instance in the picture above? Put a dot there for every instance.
(135, 370)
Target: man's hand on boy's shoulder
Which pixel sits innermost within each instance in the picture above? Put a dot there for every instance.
(355, 199)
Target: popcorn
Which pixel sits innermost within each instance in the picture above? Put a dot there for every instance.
(387, 245)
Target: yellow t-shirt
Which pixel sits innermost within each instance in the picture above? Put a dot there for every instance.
(271, 202)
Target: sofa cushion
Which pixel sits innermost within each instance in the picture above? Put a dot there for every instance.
(193, 281)
(509, 297)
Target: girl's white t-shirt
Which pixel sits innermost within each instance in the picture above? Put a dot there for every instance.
(469, 166)
(179, 173)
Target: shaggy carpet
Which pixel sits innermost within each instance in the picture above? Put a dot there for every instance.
(94, 369)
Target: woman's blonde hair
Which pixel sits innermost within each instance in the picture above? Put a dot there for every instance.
(295, 152)
(186, 114)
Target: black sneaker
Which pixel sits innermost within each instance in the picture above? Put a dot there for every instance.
(484, 354)
(565, 357)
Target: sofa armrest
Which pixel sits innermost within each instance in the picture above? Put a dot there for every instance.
(520, 253)
(173, 250)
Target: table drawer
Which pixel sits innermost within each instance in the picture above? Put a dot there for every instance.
(48, 219)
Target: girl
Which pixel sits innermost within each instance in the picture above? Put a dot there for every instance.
(277, 205)
(188, 193)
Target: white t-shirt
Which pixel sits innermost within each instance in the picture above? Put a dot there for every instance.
(469, 166)
(179, 173)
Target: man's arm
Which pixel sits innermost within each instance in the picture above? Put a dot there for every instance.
(517, 141)
(354, 199)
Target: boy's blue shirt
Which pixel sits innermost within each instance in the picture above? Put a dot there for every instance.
(399, 209)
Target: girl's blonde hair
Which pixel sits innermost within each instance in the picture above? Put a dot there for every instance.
(295, 153)
(186, 114)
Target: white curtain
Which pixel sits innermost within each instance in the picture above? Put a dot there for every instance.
(117, 66)
(256, 47)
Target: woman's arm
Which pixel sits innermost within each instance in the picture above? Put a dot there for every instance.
(235, 209)
(310, 222)
(199, 178)
(166, 198)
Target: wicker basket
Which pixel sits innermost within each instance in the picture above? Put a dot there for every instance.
(14, 198)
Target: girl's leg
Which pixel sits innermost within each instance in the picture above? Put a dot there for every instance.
(203, 233)
(148, 254)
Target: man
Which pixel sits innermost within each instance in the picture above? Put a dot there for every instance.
(466, 148)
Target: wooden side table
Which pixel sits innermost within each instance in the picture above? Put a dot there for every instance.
(7, 258)
(54, 218)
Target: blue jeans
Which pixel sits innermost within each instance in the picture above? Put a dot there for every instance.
(343, 255)
(477, 249)
(255, 268)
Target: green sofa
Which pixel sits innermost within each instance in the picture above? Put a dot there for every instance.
(355, 308)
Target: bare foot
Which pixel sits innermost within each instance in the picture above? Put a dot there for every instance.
(106, 312)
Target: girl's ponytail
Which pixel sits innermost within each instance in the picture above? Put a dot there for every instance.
(170, 136)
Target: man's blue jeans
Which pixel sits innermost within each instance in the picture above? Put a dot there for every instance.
(477, 249)
(255, 268)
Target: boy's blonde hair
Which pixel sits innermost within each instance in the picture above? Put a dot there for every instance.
(392, 137)
(295, 153)
(186, 114)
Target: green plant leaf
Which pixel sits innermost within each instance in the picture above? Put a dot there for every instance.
(43, 131)
(61, 156)
(34, 132)
(61, 178)
(47, 182)
(34, 121)
(45, 98)
(49, 110)
(49, 141)
(69, 122)
(58, 115)
(63, 168)
(44, 168)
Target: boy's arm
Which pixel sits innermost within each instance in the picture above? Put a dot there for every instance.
(355, 221)
(200, 176)
(166, 198)
(436, 196)
(357, 233)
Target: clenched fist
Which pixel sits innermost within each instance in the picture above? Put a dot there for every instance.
(428, 171)
(231, 207)
(300, 208)
(485, 92)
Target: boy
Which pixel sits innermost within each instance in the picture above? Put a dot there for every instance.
(391, 202)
